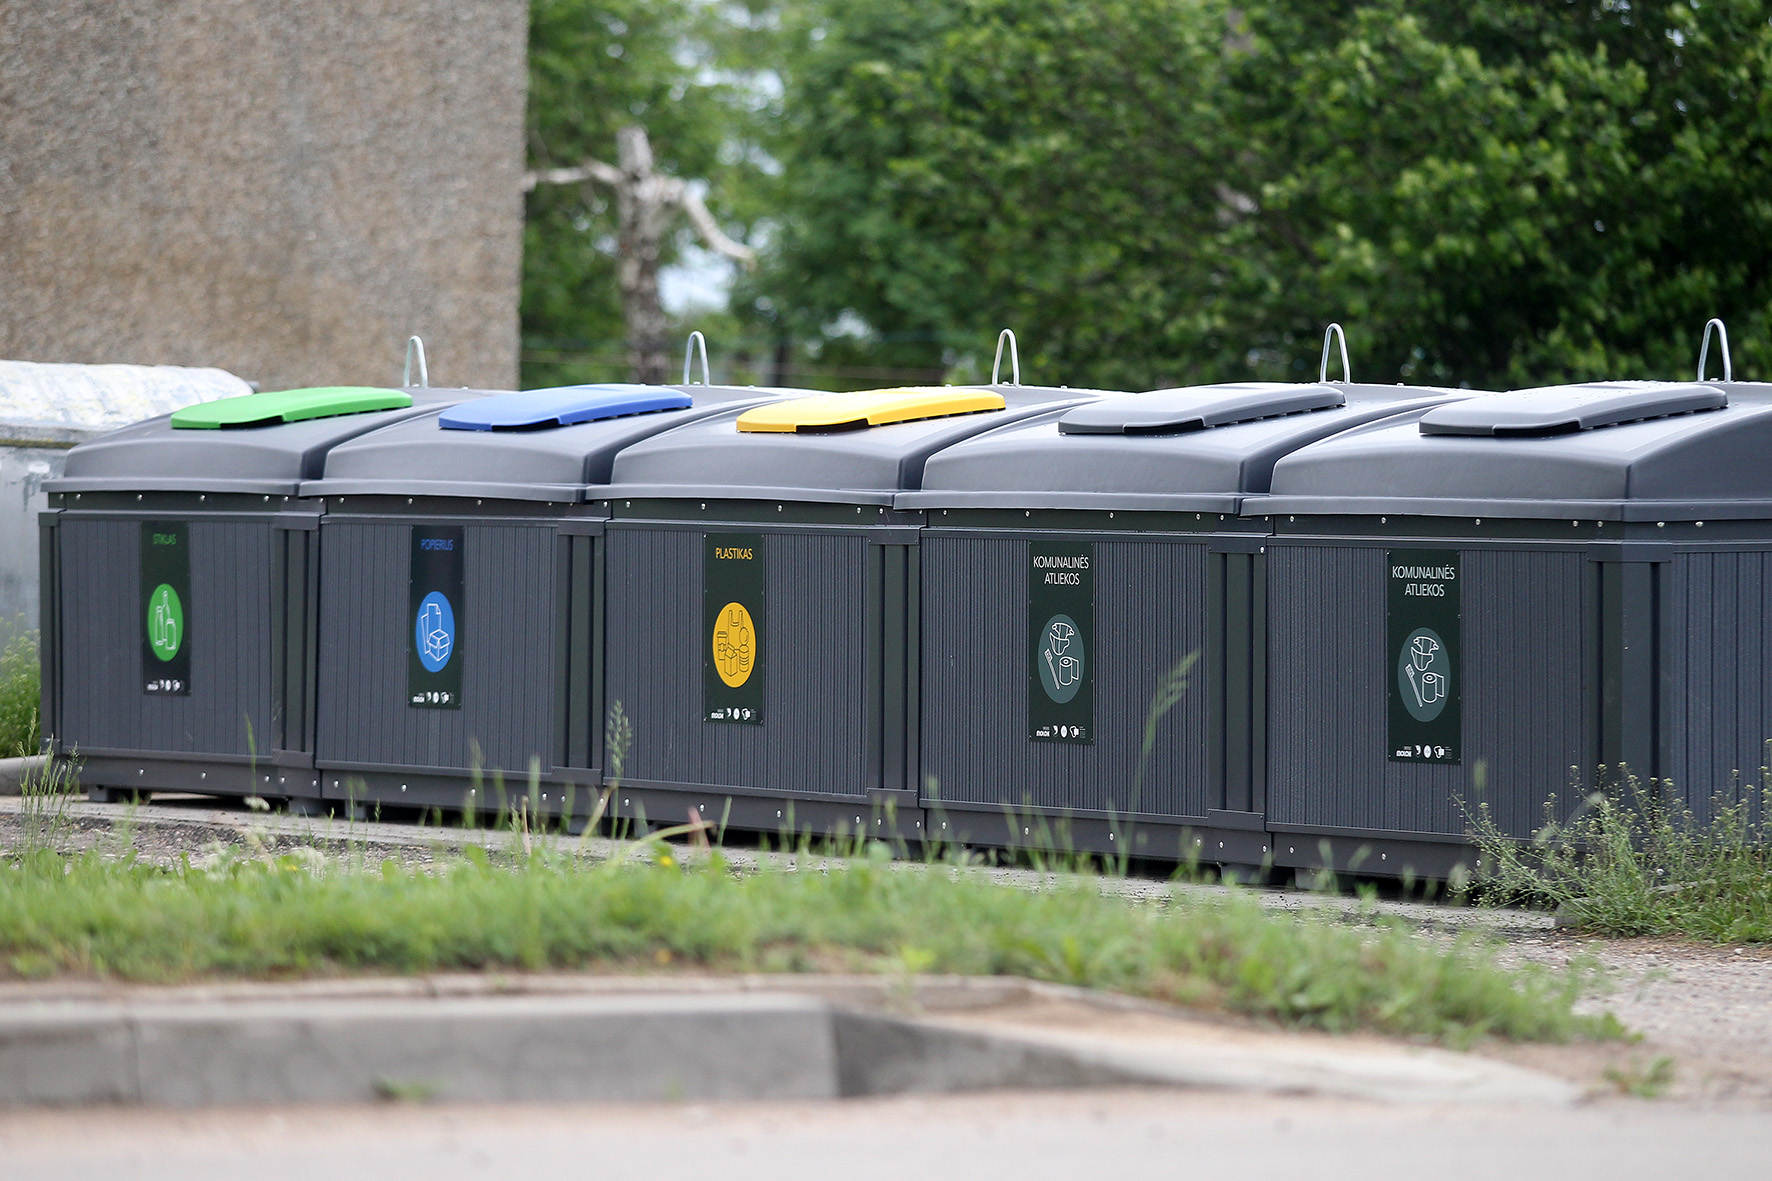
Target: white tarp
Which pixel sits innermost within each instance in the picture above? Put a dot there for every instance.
(71, 402)
(43, 409)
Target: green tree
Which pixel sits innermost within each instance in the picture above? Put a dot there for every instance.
(954, 166)
(1506, 193)
(1496, 192)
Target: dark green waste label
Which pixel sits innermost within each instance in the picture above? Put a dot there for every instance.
(1061, 641)
(165, 608)
(1424, 657)
(433, 636)
(733, 628)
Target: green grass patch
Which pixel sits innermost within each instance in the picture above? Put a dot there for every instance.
(19, 733)
(265, 916)
(1629, 862)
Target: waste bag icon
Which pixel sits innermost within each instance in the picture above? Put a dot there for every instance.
(1061, 658)
(1424, 675)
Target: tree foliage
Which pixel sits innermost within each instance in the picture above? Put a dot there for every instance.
(1495, 192)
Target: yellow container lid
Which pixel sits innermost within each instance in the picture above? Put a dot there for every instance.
(843, 412)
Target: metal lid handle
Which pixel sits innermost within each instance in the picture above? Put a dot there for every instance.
(1014, 358)
(1704, 350)
(1334, 330)
(696, 340)
(416, 346)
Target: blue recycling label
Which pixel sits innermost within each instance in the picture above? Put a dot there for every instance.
(434, 631)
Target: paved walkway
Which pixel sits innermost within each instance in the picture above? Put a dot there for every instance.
(1028, 1137)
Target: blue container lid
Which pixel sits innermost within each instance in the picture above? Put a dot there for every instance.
(530, 410)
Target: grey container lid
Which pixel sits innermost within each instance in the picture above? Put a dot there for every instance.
(713, 460)
(272, 460)
(554, 464)
(1195, 449)
(1610, 451)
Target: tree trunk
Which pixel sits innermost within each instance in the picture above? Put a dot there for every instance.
(642, 216)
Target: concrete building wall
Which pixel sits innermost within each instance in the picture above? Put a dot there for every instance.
(285, 190)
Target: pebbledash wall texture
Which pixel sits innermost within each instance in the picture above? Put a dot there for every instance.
(284, 190)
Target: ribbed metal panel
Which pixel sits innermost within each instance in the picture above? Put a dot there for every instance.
(507, 639)
(229, 707)
(1715, 697)
(1150, 608)
(814, 734)
(1526, 620)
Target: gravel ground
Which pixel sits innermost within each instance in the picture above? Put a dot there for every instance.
(1706, 1009)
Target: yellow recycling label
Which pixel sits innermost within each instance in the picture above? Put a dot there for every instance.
(735, 616)
(735, 645)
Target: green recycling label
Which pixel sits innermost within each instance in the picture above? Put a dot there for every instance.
(1061, 637)
(1424, 656)
(165, 591)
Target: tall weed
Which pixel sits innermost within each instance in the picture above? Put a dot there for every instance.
(1630, 861)
(19, 729)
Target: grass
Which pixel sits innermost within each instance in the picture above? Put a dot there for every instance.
(1630, 863)
(19, 733)
(253, 914)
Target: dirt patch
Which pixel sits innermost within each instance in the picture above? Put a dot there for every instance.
(1706, 1009)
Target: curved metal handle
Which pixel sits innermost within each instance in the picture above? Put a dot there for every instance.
(1704, 349)
(1014, 358)
(696, 339)
(416, 345)
(1347, 375)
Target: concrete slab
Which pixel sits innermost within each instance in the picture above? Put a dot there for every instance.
(277, 1044)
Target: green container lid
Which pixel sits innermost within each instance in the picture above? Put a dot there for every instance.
(288, 406)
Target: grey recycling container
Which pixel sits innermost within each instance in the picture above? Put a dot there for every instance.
(461, 620)
(763, 607)
(1509, 601)
(1087, 579)
(179, 570)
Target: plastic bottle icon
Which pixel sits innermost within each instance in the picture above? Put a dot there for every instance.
(734, 644)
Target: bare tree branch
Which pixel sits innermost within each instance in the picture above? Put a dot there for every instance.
(710, 229)
(645, 202)
(590, 170)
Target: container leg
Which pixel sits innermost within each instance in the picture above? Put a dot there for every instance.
(115, 795)
(1246, 875)
(304, 806)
